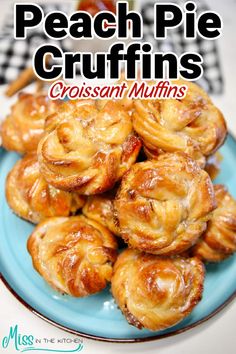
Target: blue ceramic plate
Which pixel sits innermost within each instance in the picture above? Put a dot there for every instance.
(97, 316)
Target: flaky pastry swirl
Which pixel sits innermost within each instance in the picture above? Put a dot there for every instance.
(74, 254)
(219, 240)
(192, 125)
(100, 208)
(87, 149)
(156, 292)
(24, 126)
(163, 205)
(32, 198)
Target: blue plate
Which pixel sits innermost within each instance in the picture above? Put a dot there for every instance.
(97, 316)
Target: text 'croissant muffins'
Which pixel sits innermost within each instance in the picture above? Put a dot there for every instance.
(24, 126)
(156, 292)
(100, 208)
(32, 198)
(219, 240)
(87, 149)
(74, 255)
(192, 125)
(163, 205)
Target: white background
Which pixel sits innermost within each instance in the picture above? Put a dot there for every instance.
(214, 336)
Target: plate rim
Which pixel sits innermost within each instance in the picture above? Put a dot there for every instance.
(118, 340)
(111, 339)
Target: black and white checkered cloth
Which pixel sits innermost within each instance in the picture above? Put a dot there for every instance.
(15, 55)
(212, 80)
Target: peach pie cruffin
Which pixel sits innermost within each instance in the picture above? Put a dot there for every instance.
(98, 172)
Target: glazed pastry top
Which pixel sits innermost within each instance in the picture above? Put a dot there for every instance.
(100, 208)
(32, 198)
(192, 125)
(219, 240)
(163, 205)
(74, 255)
(24, 126)
(86, 149)
(156, 292)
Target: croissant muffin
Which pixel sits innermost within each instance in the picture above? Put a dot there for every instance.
(87, 149)
(24, 126)
(163, 205)
(156, 292)
(192, 125)
(32, 198)
(73, 254)
(100, 208)
(219, 240)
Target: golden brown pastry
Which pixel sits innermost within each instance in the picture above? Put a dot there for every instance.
(100, 208)
(74, 254)
(32, 198)
(163, 205)
(126, 102)
(87, 149)
(219, 240)
(192, 125)
(24, 126)
(213, 165)
(156, 292)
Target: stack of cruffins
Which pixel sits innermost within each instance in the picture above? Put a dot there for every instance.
(96, 172)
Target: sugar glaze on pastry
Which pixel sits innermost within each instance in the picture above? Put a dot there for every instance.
(86, 148)
(100, 208)
(219, 240)
(163, 205)
(74, 254)
(24, 126)
(192, 125)
(156, 292)
(32, 198)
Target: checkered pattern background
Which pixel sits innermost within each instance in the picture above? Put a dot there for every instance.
(16, 55)
(212, 80)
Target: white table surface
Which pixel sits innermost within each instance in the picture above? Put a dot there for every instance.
(217, 335)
